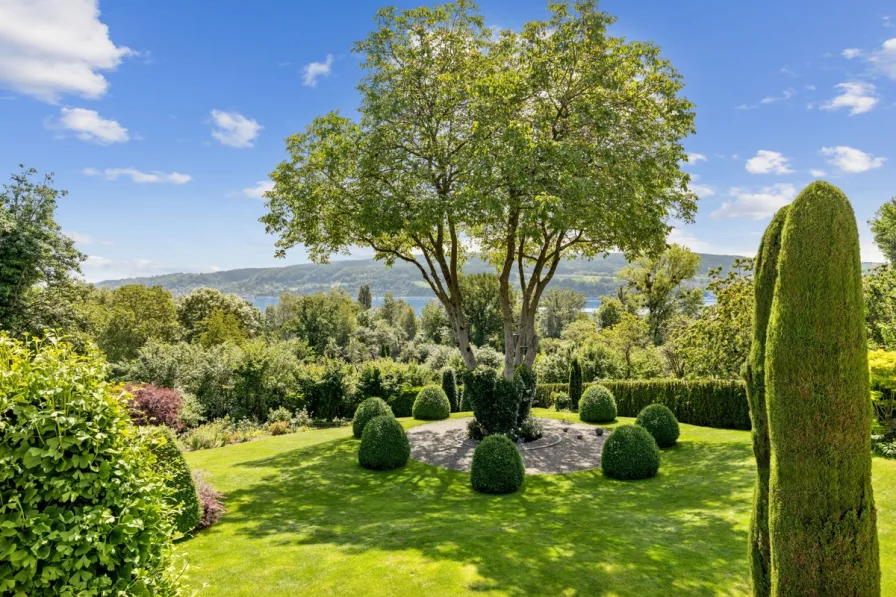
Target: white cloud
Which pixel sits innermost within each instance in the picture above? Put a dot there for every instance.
(687, 239)
(693, 158)
(82, 238)
(53, 47)
(888, 21)
(260, 188)
(88, 125)
(850, 53)
(858, 97)
(850, 159)
(768, 162)
(315, 70)
(883, 61)
(817, 173)
(785, 95)
(138, 176)
(756, 205)
(870, 252)
(234, 129)
(701, 190)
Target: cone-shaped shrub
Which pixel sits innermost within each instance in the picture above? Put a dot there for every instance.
(497, 466)
(384, 444)
(449, 386)
(630, 453)
(431, 404)
(575, 384)
(368, 409)
(171, 465)
(765, 273)
(822, 519)
(597, 405)
(661, 423)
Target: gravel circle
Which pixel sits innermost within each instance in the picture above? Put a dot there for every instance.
(565, 447)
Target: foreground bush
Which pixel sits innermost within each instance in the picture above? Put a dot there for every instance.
(370, 408)
(432, 404)
(597, 405)
(384, 444)
(89, 515)
(495, 400)
(659, 422)
(171, 466)
(630, 453)
(497, 466)
(822, 519)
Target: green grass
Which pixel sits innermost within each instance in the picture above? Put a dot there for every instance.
(304, 518)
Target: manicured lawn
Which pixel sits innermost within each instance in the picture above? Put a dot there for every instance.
(304, 519)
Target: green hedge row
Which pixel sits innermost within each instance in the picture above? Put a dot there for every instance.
(704, 402)
(402, 403)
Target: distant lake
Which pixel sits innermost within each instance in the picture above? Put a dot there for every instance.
(418, 302)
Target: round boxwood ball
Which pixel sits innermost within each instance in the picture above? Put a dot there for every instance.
(431, 404)
(630, 453)
(661, 423)
(384, 444)
(497, 466)
(597, 405)
(372, 407)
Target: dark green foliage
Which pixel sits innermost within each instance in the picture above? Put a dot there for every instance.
(765, 274)
(495, 400)
(171, 465)
(526, 382)
(370, 408)
(384, 444)
(365, 298)
(497, 466)
(575, 383)
(659, 422)
(475, 430)
(630, 453)
(822, 519)
(75, 478)
(465, 405)
(597, 405)
(449, 385)
(402, 403)
(432, 404)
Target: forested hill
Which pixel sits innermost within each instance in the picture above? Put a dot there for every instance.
(594, 278)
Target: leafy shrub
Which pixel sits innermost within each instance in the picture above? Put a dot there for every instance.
(170, 465)
(598, 405)
(449, 385)
(209, 435)
(278, 428)
(370, 408)
(209, 500)
(630, 453)
(495, 400)
(526, 381)
(151, 405)
(560, 400)
(79, 483)
(279, 415)
(402, 404)
(475, 431)
(530, 430)
(659, 422)
(384, 444)
(431, 404)
(192, 414)
(497, 466)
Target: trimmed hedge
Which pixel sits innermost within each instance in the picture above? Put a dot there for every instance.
(630, 453)
(597, 405)
(370, 408)
(432, 404)
(705, 402)
(402, 404)
(497, 466)
(384, 444)
(170, 464)
(659, 422)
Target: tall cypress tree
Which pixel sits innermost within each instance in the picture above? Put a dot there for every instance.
(365, 298)
(765, 273)
(822, 520)
(575, 383)
(449, 385)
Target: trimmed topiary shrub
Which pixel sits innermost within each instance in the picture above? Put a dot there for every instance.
(402, 403)
(370, 408)
(495, 400)
(80, 482)
(822, 519)
(384, 444)
(630, 453)
(659, 422)
(575, 384)
(170, 464)
(766, 272)
(449, 386)
(497, 466)
(431, 404)
(597, 405)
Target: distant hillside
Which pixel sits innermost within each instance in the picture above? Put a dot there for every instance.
(594, 277)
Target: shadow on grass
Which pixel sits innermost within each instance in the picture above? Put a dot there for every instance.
(682, 532)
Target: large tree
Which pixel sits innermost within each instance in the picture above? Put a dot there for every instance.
(883, 226)
(552, 142)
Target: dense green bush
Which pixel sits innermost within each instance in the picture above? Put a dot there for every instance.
(171, 466)
(402, 403)
(384, 444)
(822, 519)
(560, 400)
(526, 381)
(495, 400)
(370, 408)
(432, 404)
(449, 385)
(575, 384)
(659, 422)
(597, 405)
(630, 453)
(82, 513)
(497, 466)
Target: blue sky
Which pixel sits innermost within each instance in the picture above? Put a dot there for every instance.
(161, 117)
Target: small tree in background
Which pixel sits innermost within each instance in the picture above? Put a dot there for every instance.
(883, 226)
(822, 519)
(575, 384)
(449, 384)
(365, 299)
